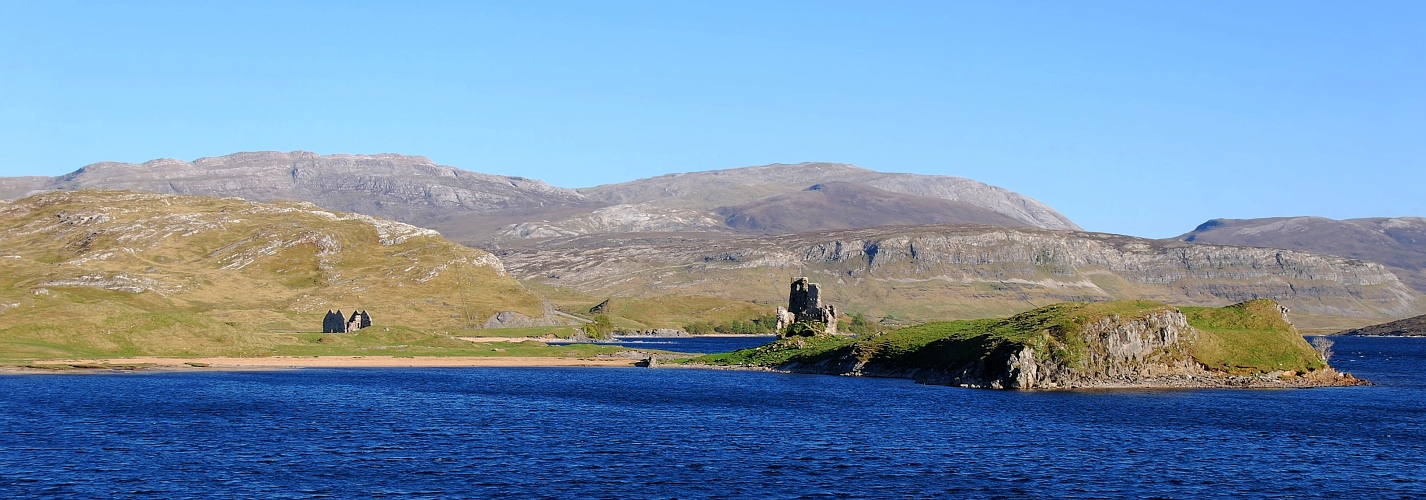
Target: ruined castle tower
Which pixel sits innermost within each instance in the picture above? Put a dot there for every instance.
(804, 303)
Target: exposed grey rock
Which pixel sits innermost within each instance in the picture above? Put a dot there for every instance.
(511, 319)
(656, 332)
(1058, 265)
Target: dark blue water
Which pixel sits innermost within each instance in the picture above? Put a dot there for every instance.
(701, 344)
(616, 433)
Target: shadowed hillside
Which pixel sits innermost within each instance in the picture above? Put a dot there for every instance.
(1410, 327)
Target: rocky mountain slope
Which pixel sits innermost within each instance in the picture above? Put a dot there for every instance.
(1410, 327)
(845, 205)
(1399, 242)
(410, 189)
(482, 209)
(962, 271)
(113, 266)
(712, 189)
(1072, 345)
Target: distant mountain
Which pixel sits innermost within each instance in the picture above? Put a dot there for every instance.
(713, 189)
(410, 189)
(930, 272)
(1409, 327)
(483, 209)
(1399, 243)
(845, 205)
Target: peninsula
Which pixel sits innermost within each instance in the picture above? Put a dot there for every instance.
(1071, 346)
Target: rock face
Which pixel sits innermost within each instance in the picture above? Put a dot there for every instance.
(1119, 351)
(804, 304)
(1409, 327)
(1399, 243)
(949, 271)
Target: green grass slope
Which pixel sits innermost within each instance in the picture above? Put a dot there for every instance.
(1249, 337)
(116, 273)
(1245, 338)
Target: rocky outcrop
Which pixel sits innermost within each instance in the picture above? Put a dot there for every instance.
(1128, 351)
(656, 332)
(641, 218)
(512, 319)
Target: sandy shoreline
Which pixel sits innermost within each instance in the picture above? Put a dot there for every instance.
(295, 362)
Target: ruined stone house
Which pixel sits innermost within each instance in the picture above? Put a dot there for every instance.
(804, 304)
(335, 322)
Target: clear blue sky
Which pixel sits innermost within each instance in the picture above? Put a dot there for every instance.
(1134, 117)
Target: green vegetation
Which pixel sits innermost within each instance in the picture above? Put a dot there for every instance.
(805, 329)
(764, 324)
(115, 274)
(601, 328)
(1250, 337)
(193, 337)
(859, 324)
(1245, 338)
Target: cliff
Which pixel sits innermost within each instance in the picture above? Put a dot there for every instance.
(921, 273)
(1072, 345)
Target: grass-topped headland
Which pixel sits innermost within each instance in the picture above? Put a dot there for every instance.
(1062, 345)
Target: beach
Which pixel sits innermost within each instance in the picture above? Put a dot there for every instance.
(289, 362)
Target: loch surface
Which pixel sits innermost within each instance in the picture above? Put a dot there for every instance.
(640, 433)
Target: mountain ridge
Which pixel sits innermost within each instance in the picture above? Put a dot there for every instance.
(477, 208)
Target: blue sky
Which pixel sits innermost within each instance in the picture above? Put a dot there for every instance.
(1142, 118)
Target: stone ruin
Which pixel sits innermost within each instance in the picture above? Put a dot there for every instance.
(335, 322)
(804, 304)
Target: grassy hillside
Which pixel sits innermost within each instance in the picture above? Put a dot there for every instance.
(1244, 338)
(95, 272)
(1249, 337)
